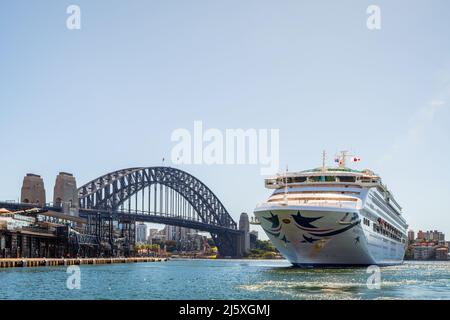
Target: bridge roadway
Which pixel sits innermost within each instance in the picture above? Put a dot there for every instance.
(138, 216)
(159, 218)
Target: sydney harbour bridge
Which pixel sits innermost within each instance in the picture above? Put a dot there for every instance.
(162, 195)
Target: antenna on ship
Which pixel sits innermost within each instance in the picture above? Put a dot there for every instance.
(285, 186)
(341, 159)
(324, 158)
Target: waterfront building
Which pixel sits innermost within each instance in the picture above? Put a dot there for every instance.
(423, 251)
(11, 221)
(442, 253)
(175, 233)
(432, 236)
(193, 242)
(152, 234)
(160, 235)
(441, 238)
(141, 233)
(27, 234)
(411, 236)
(429, 235)
(421, 235)
(435, 236)
(170, 232)
(186, 239)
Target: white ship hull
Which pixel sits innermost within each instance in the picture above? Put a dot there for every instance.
(326, 236)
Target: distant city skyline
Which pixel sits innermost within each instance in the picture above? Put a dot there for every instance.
(109, 96)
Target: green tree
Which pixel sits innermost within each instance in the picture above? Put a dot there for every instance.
(268, 255)
(264, 245)
(171, 245)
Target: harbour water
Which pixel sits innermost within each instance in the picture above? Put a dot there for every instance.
(226, 279)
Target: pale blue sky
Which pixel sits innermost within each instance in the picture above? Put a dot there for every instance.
(108, 96)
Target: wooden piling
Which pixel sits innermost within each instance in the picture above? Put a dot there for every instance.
(49, 262)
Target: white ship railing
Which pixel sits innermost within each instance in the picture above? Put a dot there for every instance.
(335, 204)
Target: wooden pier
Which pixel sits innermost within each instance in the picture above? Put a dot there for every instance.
(43, 262)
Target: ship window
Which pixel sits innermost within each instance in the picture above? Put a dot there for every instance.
(346, 179)
(322, 179)
(299, 179)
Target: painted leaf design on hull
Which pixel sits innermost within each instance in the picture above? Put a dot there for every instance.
(274, 220)
(309, 239)
(305, 222)
(335, 232)
(275, 234)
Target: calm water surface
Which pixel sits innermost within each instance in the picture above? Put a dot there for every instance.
(226, 279)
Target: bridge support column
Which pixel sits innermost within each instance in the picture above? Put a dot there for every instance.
(231, 245)
(65, 194)
(33, 190)
(14, 244)
(245, 242)
(2, 246)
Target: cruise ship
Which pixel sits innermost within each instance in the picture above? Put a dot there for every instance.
(333, 216)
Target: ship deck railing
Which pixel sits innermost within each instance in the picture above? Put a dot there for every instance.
(328, 204)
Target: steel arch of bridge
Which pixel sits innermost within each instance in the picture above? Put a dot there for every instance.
(108, 193)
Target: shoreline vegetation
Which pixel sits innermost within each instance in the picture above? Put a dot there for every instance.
(264, 249)
(260, 249)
